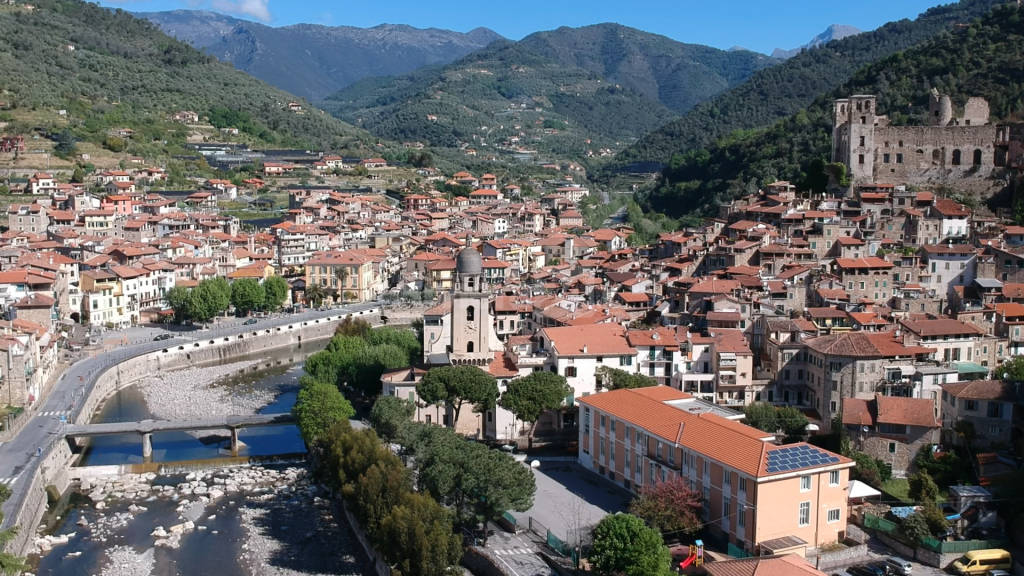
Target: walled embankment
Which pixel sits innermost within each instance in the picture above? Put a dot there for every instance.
(29, 496)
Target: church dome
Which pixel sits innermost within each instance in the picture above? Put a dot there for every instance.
(469, 262)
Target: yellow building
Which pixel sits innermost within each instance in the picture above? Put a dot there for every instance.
(348, 275)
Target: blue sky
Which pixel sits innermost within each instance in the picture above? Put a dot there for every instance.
(756, 24)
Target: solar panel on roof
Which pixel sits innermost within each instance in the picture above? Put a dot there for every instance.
(796, 458)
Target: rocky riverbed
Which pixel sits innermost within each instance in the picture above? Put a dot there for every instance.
(200, 393)
(248, 520)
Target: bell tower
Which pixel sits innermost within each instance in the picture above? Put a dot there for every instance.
(471, 316)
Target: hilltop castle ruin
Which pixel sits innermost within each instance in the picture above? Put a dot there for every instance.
(950, 146)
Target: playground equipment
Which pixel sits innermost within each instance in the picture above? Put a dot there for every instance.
(696, 557)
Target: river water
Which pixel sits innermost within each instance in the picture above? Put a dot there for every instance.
(284, 529)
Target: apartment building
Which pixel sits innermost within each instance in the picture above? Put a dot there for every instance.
(759, 496)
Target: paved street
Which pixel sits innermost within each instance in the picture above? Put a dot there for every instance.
(67, 393)
(518, 554)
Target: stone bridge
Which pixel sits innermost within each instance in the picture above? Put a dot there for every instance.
(146, 428)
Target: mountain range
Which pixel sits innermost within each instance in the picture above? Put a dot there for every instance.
(604, 83)
(315, 61)
(833, 32)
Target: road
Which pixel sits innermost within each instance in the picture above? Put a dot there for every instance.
(20, 453)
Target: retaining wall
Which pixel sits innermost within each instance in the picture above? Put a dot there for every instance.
(53, 466)
(841, 557)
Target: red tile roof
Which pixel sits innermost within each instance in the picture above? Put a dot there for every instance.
(589, 340)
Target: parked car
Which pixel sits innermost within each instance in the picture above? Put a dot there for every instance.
(164, 336)
(249, 321)
(899, 566)
(997, 573)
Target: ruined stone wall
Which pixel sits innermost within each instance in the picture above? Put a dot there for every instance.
(920, 154)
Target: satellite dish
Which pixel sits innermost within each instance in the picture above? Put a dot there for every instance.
(811, 428)
(865, 429)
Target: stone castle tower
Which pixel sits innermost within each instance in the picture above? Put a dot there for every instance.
(853, 135)
(471, 317)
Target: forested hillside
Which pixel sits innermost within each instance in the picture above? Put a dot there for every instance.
(781, 90)
(606, 83)
(109, 69)
(985, 59)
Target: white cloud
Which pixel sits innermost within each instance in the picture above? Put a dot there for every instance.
(258, 9)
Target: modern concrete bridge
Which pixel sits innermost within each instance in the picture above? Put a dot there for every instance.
(146, 428)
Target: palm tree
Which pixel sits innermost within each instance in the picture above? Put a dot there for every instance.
(314, 295)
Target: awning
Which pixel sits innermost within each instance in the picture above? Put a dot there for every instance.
(971, 368)
(860, 490)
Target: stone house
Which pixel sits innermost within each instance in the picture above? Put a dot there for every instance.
(891, 429)
(986, 405)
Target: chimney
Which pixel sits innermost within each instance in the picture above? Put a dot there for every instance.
(584, 348)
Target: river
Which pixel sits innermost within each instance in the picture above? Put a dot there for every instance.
(279, 524)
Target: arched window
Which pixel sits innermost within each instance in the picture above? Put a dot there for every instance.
(956, 157)
(471, 282)
(977, 156)
(936, 156)
(470, 314)
(469, 347)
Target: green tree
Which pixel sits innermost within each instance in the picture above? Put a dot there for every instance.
(419, 537)
(935, 518)
(246, 296)
(768, 418)
(669, 507)
(78, 176)
(915, 528)
(378, 490)
(114, 144)
(1012, 370)
(389, 415)
(456, 386)
(923, 489)
(64, 146)
(275, 290)
(218, 292)
(532, 395)
(625, 546)
(179, 299)
(480, 483)
(614, 379)
(318, 407)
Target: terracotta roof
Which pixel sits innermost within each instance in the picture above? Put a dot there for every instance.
(951, 208)
(869, 262)
(890, 410)
(714, 285)
(502, 367)
(589, 340)
(863, 345)
(981, 390)
(1013, 290)
(735, 445)
(940, 327)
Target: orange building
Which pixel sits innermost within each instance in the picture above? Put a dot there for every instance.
(762, 497)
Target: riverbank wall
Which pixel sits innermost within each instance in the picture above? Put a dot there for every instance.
(52, 466)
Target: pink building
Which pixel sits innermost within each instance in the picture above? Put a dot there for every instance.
(762, 497)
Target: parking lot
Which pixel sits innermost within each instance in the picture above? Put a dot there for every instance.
(570, 500)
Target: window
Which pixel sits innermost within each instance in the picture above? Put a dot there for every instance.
(972, 405)
(833, 515)
(570, 371)
(626, 361)
(612, 426)
(586, 421)
(469, 347)
(805, 483)
(956, 157)
(892, 447)
(995, 409)
(899, 158)
(741, 515)
(860, 159)
(743, 485)
(833, 478)
(805, 513)
(470, 313)
(886, 158)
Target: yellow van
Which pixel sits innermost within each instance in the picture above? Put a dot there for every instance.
(981, 561)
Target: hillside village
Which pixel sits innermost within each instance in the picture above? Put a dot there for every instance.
(881, 313)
